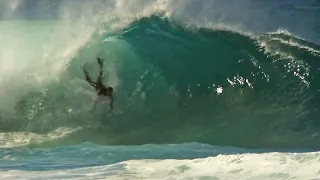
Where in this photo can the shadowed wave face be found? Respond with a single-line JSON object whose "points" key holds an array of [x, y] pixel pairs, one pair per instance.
{"points": [[175, 85]]}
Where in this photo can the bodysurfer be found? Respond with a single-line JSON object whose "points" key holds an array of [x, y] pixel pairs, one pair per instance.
{"points": [[100, 88]]}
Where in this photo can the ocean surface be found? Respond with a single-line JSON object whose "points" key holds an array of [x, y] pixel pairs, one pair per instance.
{"points": [[203, 89]]}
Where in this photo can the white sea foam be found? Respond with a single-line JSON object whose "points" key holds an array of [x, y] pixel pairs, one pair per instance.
{"points": [[16, 139], [300, 166]]}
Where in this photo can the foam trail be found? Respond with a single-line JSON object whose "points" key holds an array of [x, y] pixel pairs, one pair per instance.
{"points": [[39, 63], [33, 56]]}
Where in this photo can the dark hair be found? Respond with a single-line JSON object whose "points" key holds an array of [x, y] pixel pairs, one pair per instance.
{"points": [[110, 89]]}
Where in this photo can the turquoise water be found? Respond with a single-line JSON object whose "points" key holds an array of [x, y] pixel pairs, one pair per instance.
{"points": [[198, 93], [183, 161]]}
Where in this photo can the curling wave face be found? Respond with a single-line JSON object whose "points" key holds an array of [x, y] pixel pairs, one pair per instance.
{"points": [[175, 84]]}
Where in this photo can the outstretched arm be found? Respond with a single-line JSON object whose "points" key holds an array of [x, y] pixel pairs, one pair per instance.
{"points": [[88, 77], [101, 71]]}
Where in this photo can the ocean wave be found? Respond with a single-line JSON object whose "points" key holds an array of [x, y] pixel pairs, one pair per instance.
{"points": [[178, 84]]}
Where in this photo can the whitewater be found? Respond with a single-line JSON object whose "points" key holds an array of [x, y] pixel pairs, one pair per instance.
{"points": [[204, 89]]}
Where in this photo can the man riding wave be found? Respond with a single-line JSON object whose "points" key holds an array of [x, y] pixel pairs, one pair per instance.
{"points": [[102, 90]]}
